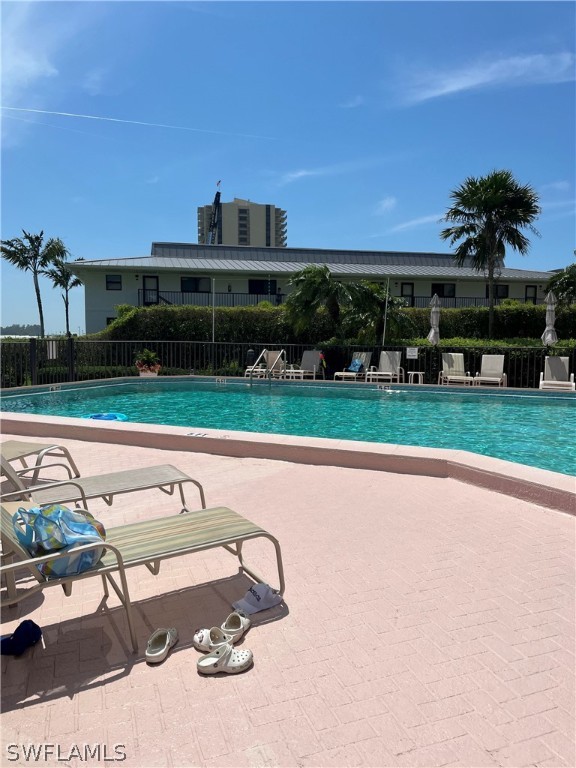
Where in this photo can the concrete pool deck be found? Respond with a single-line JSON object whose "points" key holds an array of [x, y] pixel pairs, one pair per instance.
{"points": [[428, 616]]}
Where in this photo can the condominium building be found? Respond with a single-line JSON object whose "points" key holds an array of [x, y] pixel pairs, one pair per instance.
{"points": [[243, 222]]}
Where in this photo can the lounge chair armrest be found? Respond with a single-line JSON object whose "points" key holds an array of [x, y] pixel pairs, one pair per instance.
{"points": [[39, 467], [45, 487], [57, 554]]}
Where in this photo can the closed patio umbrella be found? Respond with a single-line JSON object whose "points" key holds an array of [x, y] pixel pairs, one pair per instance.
{"points": [[434, 335], [549, 336]]}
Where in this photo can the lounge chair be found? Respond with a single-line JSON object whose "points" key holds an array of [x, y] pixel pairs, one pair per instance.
{"points": [[17, 450], [453, 371], [310, 366], [364, 362], [389, 368], [491, 371], [270, 362], [556, 374], [165, 477], [142, 543]]}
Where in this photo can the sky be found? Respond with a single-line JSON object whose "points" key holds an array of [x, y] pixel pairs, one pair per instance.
{"points": [[358, 118]]}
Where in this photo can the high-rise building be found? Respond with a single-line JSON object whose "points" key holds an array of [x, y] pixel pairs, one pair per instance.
{"points": [[243, 222]]}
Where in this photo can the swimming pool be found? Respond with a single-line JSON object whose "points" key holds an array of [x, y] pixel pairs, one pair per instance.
{"points": [[533, 428]]}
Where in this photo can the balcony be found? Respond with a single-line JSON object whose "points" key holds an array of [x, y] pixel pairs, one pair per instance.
{"points": [[148, 298]]}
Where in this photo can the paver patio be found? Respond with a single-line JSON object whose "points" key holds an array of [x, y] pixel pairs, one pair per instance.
{"points": [[427, 622]]}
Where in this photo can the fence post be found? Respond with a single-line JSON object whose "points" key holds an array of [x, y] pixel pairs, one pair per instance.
{"points": [[33, 361], [70, 356]]}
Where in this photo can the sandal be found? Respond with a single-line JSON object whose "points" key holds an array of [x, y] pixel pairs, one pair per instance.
{"points": [[236, 625], [159, 644], [210, 639], [225, 659]]}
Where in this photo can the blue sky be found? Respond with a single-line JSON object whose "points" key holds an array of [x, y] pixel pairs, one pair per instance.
{"points": [[357, 118]]}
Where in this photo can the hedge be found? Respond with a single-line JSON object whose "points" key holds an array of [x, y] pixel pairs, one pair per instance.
{"points": [[252, 324]]}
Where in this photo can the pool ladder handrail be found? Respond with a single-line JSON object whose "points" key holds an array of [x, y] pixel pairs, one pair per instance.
{"points": [[269, 369]]}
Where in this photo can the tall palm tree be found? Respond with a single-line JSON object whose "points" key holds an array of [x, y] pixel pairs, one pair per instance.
{"points": [[314, 288], [31, 254], [63, 278], [488, 213]]}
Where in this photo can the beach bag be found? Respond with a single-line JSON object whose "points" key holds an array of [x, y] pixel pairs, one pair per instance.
{"points": [[53, 527], [356, 365]]}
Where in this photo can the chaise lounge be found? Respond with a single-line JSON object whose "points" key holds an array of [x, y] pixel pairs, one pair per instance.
{"points": [[164, 477], [357, 368], [145, 543], [491, 371], [18, 450], [270, 362], [556, 374], [453, 371], [389, 368], [309, 368]]}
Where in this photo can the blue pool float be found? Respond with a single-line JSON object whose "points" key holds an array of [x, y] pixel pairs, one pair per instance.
{"points": [[108, 416]]}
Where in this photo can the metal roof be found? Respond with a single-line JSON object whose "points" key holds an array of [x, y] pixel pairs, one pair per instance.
{"points": [[297, 255], [250, 266]]}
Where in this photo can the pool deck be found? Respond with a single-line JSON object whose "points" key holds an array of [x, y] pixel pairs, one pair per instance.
{"points": [[428, 619]]}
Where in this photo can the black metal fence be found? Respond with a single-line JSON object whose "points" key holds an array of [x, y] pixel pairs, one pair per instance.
{"points": [[54, 361]]}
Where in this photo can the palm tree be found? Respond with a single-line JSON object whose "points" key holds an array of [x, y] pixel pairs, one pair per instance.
{"points": [[30, 254], [370, 303], [63, 278], [314, 289], [563, 285], [489, 213]]}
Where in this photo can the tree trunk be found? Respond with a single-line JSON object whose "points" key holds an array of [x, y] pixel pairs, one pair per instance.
{"points": [[66, 306], [39, 302]]}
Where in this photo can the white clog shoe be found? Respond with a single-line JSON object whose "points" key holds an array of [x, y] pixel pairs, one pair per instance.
{"points": [[159, 644]]}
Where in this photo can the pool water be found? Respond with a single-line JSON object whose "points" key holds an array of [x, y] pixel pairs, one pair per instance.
{"points": [[534, 429]]}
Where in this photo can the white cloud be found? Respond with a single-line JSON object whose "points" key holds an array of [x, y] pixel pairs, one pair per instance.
{"points": [[556, 186], [385, 205], [536, 69], [355, 101], [331, 170], [414, 223], [153, 180], [23, 64]]}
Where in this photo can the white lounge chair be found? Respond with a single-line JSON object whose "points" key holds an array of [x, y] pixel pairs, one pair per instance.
{"points": [[491, 371], [309, 368], [556, 374], [453, 371], [389, 368], [364, 362], [270, 362]]}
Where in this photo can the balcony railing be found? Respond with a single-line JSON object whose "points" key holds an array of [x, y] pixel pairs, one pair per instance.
{"points": [[460, 301], [148, 298]]}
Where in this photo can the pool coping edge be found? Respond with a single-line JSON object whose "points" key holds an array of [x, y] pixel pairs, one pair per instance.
{"points": [[539, 486]]}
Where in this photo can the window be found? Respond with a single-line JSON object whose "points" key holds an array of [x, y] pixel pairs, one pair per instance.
{"points": [[195, 285], [113, 282], [530, 294], [500, 291], [262, 287], [444, 290], [407, 293]]}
